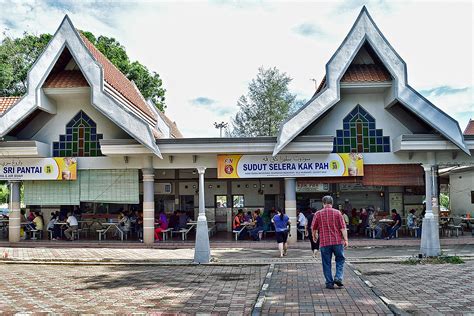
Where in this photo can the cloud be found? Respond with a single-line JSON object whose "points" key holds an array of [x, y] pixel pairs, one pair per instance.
{"points": [[220, 45], [443, 90], [203, 101], [309, 30]]}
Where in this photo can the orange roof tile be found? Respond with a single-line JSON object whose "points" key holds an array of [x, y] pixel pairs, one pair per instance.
{"points": [[174, 131], [469, 128], [66, 79], [7, 102], [366, 73], [118, 81], [362, 73]]}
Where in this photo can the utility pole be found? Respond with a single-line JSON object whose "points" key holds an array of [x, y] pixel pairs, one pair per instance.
{"points": [[315, 83], [220, 126]]}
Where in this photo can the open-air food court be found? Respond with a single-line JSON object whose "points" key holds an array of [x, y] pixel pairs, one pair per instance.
{"points": [[93, 161]]}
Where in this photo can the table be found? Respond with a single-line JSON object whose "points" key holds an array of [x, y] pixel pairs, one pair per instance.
{"points": [[109, 225]]}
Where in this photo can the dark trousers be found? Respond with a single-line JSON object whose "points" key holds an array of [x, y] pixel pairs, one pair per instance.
{"points": [[326, 258]]}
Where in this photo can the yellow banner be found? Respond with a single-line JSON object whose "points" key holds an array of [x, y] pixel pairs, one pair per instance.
{"points": [[291, 165], [64, 168]]}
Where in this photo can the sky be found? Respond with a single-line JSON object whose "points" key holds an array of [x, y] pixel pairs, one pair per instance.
{"points": [[207, 52]]}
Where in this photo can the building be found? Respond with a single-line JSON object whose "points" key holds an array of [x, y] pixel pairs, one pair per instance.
{"points": [[365, 136]]}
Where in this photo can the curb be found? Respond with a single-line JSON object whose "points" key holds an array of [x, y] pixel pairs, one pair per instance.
{"points": [[257, 308], [391, 306]]}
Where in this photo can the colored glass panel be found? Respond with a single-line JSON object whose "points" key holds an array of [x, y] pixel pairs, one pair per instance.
{"points": [[359, 134], [81, 138]]}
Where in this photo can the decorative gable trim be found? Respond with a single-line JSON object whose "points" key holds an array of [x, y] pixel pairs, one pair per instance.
{"points": [[365, 30], [67, 36]]}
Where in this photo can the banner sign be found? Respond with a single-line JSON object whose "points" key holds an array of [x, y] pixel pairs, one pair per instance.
{"points": [[38, 169], [291, 165]]}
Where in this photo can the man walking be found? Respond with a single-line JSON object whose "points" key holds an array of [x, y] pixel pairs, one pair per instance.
{"points": [[329, 226]]}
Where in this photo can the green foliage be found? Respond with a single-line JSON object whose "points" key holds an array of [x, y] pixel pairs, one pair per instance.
{"points": [[434, 260], [4, 193], [17, 55], [444, 200], [267, 103]]}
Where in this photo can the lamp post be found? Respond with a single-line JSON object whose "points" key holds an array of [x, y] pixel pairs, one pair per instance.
{"points": [[220, 126]]}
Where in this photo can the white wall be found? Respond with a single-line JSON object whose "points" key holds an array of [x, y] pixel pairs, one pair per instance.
{"points": [[460, 186], [67, 108], [372, 103]]}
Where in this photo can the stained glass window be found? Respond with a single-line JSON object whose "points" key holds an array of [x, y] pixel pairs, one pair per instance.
{"points": [[81, 138], [359, 134]]}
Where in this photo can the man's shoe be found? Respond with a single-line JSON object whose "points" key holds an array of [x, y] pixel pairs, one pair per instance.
{"points": [[330, 286], [338, 283]]}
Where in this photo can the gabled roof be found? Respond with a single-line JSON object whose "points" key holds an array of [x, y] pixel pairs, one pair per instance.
{"points": [[118, 81], [7, 102], [365, 31], [469, 128], [116, 109]]}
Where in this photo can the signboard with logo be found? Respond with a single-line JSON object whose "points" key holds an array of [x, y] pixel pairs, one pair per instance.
{"points": [[311, 186], [291, 165], [359, 187], [38, 169]]}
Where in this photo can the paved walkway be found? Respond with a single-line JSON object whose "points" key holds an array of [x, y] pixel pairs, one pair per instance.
{"points": [[225, 290], [300, 289], [268, 243], [227, 255], [434, 289]]}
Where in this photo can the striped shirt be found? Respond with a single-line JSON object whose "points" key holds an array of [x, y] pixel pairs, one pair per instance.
{"points": [[329, 223]]}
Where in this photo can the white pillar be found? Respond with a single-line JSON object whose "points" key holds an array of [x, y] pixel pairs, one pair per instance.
{"points": [[202, 252], [148, 202], [14, 216], [290, 207], [430, 245]]}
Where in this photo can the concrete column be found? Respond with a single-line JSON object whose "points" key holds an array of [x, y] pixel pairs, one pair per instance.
{"points": [[149, 202], [202, 252], [290, 207], [430, 245], [14, 216]]}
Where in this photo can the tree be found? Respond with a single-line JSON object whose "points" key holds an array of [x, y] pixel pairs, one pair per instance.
{"points": [[17, 55], [267, 103]]}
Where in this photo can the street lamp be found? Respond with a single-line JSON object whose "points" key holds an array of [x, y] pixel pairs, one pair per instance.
{"points": [[220, 126]]}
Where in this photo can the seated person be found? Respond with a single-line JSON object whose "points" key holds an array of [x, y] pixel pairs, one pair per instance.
{"points": [[258, 226], [174, 221], [38, 221], [237, 223], [346, 218], [354, 221], [397, 222], [73, 224], [124, 222], [52, 227], [372, 223], [183, 220], [364, 218], [411, 219], [248, 217], [162, 224]]}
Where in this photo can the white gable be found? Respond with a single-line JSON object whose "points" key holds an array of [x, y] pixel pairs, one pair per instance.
{"points": [[365, 30]]}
